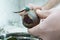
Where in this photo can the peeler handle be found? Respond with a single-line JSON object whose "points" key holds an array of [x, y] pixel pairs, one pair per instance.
{"points": [[25, 9]]}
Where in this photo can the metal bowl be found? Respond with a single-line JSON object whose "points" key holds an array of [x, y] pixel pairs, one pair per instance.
{"points": [[18, 36]]}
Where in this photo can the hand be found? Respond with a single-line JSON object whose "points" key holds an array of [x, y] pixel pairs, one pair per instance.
{"points": [[34, 7], [49, 29], [41, 13]]}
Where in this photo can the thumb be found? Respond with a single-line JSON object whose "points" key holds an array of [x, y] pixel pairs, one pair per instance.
{"points": [[42, 13], [36, 31]]}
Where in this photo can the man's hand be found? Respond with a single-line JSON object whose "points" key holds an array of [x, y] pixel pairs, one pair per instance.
{"points": [[49, 29], [38, 10], [34, 7], [42, 13]]}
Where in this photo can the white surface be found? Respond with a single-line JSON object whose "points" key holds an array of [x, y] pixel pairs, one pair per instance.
{"points": [[13, 29]]}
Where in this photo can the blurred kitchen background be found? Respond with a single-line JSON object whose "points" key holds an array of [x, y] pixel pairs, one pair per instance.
{"points": [[11, 22]]}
